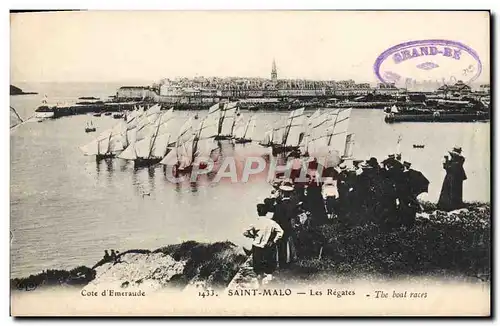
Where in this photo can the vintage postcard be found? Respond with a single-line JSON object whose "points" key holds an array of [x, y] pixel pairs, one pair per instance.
{"points": [[250, 163]]}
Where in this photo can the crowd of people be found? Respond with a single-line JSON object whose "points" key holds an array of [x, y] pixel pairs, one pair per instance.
{"points": [[384, 193]]}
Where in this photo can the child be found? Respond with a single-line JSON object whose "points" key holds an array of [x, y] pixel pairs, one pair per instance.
{"points": [[265, 232]]}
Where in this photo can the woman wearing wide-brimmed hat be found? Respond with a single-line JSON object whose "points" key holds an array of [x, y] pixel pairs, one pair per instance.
{"points": [[452, 191]]}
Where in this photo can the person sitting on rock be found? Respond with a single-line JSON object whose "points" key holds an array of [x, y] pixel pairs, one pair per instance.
{"points": [[113, 255], [106, 255]]}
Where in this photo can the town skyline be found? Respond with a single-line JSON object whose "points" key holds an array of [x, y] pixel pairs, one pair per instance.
{"points": [[148, 46]]}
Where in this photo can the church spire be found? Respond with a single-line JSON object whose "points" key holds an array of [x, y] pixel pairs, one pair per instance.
{"points": [[274, 72]]}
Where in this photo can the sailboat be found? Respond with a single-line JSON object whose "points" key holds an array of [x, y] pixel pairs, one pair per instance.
{"points": [[107, 145], [90, 127], [267, 140], [227, 120], [244, 132], [289, 136], [150, 139], [193, 145], [329, 142], [181, 156]]}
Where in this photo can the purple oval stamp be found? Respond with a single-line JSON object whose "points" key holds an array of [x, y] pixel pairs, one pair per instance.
{"points": [[432, 62]]}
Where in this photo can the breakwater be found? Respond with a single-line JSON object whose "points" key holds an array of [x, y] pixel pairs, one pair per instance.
{"points": [[438, 117], [103, 107]]}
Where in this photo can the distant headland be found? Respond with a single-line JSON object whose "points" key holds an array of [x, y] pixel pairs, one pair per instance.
{"points": [[17, 91]]}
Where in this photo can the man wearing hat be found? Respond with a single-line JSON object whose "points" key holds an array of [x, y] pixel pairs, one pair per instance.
{"points": [[372, 162], [414, 184], [451, 196], [285, 211], [389, 161], [393, 161]]}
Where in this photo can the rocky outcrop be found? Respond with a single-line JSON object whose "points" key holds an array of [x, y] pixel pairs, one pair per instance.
{"points": [[17, 91], [190, 266], [245, 278], [134, 270]]}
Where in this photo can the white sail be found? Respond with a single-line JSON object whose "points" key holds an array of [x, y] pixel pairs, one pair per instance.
{"points": [[239, 129], [131, 116], [154, 144], [337, 138], [215, 109], [116, 144], [171, 158], [308, 130], [160, 145], [90, 148], [96, 146], [228, 119], [208, 127], [103, 145], [145, 125], [180, 150], [318, 132], [294, 130], [349, 146], [162, 123], [155, 109], [327, 156], [186, 132], [137, 130], [185, 153], [205, 147], [278, 132], [250, 128]]}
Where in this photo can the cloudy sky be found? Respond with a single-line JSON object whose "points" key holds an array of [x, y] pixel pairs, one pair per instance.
{"points": [[149, 45]]}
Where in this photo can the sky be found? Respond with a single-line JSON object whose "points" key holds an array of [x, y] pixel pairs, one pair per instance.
{"points": [[115, 46]]}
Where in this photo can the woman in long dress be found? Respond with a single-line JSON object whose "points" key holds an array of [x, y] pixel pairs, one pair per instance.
{"points": [[451, 193]]}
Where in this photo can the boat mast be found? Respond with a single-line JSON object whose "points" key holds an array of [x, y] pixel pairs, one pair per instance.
{"points": [[246, 128], [222, 115], [152, 143], [109, 142], [334, 124]]}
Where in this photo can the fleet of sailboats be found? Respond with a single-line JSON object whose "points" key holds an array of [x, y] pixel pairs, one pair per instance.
{"points": [[148, 142], [145, 136]]}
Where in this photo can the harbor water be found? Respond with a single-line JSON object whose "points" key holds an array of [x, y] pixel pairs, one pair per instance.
{"points": [[66, 208]]}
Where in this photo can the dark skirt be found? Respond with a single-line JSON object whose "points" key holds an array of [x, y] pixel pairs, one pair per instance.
{"points": [[451, 193]]}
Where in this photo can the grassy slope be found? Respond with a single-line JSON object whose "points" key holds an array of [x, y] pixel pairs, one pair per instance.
{"points": [[440, 244]]}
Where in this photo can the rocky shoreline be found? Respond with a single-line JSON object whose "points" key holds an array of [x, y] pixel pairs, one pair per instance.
{"points": [[17, 91], [442, 244]]}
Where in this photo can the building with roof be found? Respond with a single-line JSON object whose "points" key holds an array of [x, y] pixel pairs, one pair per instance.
{"points": [[132, 92], [460, 88]]}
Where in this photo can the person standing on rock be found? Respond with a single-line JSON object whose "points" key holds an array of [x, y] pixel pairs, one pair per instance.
{"points": [[265, 233], [452, 189]]}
